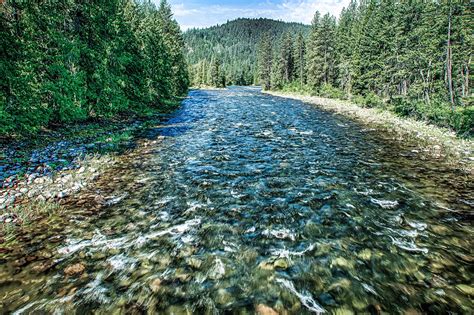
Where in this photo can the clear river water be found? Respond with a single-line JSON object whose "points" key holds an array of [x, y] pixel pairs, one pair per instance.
{"points": [[250, 202]]}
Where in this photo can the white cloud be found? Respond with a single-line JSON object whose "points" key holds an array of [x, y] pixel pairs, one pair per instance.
{"points": [[189, 15], [303, 10]]}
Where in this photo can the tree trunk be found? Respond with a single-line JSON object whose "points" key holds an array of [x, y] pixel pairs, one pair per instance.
{"points": [[449, 61]]}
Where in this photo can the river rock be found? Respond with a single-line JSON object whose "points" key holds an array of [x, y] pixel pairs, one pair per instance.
{"points": [[265, 265], [466, 289], [223, 297], [342, 263], [155, 285], [42, 266], [39, 180], [365, 254], [281, 263], [75, 269], [177, 310], [194, 263], [182, 275], [263, 309]]}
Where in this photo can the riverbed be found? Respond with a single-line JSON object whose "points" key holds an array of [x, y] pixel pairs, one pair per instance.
{"points": [[254, 202]]}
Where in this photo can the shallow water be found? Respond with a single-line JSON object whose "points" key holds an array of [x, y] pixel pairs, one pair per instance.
{"points": [[251, 199]]}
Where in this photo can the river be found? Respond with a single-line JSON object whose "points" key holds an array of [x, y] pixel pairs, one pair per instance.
{"points": [[249, 202]]}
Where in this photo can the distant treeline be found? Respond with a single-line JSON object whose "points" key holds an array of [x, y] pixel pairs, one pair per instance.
{"points": [[66, 61], [412, 57], [227, 54]]}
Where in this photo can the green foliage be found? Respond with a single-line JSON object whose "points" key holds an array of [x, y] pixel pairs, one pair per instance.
{"points": [[437, 112], [236, 44], [327, 90], [69, 61], [372, 100], [297, 87]]}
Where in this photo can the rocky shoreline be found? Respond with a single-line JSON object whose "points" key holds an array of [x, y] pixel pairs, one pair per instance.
{"points": [[37, 178], [433, 141]]}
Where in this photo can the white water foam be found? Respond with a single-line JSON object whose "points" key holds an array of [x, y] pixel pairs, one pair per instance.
{"points": [[305, 299]]}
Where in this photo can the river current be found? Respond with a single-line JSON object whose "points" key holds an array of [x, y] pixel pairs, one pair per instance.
{"points": [[253, 202]]}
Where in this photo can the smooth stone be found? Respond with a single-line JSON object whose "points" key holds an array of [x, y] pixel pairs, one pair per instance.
{"points": [[74, 269], [343, 283], [194, 263], [155, 285], [466, 289], [223, 297], [265, 265], [281, 263], [182, 275], [263, 309], [365, 254], [342, 262]]}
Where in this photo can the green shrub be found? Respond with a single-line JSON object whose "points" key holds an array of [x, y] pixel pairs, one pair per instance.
{"points": [[358, 99], [296, 87], [462, 121], [372, 100], [437, 112], [327, 90]]}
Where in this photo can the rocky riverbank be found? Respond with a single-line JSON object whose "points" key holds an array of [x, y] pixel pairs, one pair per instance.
{"points": [[435, 142], [37, 175]]}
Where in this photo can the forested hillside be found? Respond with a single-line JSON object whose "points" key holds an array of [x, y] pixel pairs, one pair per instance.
{"points": [[411, 57], [227, 54], [72, 60]]}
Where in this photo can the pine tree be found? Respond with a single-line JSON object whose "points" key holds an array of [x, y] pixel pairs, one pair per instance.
{"points": [[175, 44], [313, 58], [286, 60], [300, 61], [265, 61]]}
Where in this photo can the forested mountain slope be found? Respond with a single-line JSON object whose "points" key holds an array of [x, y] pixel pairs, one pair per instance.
{"points": [[229, 51]]}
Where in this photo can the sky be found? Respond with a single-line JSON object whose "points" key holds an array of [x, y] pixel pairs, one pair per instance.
{"points": [[204, 13]]}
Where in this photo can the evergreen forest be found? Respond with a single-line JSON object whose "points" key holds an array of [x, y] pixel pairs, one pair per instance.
{"points": [[69, 61]]}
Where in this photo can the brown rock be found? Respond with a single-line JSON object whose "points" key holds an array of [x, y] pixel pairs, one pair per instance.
{"points": [[155, 285], [263, 309], [74, 269]]}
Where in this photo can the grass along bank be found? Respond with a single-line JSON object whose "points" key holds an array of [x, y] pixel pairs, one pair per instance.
{"points": [[438, 142]]}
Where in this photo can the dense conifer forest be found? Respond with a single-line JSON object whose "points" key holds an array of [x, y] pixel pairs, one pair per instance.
{"points": [[227, 54], [413, 58], [74, 60]]}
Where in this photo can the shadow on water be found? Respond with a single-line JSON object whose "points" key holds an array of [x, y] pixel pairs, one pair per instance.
{"points": [[253, 200]]}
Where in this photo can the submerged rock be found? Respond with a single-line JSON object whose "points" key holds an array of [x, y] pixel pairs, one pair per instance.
{"points": [[342, 263], [155, 285], [365, 254], [263, 309], [223, 297], [194, 263], [75, 269], [466, 289], [265, 265], [281, 263]]}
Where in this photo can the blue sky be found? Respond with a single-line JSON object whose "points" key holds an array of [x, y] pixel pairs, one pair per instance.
{"points": [[203, 13]]}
